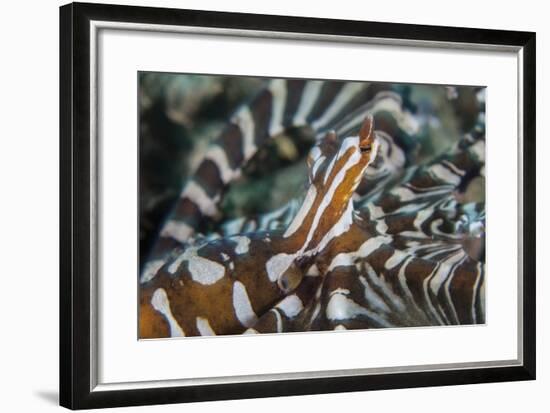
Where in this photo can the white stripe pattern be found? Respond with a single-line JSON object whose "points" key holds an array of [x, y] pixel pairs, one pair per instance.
{"points": [[307, 102], [159, 301], [242, 306], [278, 93], [348, 92], [243, 119]]}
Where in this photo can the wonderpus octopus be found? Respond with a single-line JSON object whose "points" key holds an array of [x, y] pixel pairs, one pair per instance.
{"points": [[378, 240]]}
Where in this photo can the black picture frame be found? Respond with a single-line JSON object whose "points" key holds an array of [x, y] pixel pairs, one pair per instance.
{"points": [[75, 221]]}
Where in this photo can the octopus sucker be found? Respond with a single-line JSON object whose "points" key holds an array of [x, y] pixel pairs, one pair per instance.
{"points": [[377, 239]]}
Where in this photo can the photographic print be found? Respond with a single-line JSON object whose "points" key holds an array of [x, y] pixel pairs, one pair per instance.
{"points": [[293, 205], [294, 208]]}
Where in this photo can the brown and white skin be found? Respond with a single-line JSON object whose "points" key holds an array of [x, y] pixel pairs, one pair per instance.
{"points": [[392, 261], [223, 286]]}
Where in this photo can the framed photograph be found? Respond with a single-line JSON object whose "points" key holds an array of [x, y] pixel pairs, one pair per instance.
{"points": [[258, 205]]}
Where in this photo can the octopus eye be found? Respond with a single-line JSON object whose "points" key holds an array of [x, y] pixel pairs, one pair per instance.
{"points": [[283, 284], [290, 279], [365, 149]]}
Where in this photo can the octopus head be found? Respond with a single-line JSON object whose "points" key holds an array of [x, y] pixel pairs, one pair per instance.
{"points": [[336, 167], [335, 170]]}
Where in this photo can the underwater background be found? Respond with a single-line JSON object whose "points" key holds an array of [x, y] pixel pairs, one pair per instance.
{"points": [[181, 114]]}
